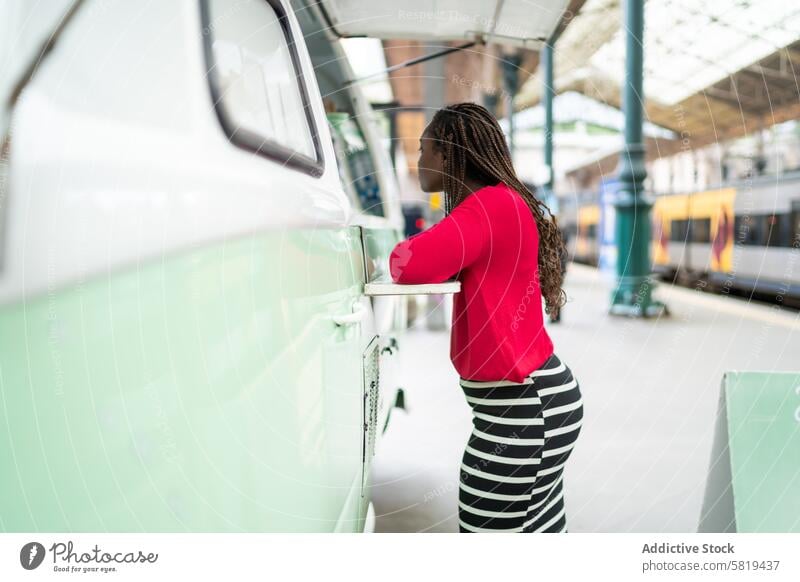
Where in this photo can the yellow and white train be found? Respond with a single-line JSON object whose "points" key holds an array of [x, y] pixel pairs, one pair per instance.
{"points": [[742, 236]]}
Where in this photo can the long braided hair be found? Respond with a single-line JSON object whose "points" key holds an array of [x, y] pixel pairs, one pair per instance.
{"points": [[473, 145]]}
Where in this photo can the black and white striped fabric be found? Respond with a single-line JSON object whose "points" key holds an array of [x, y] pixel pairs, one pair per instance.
{"points": [[513, 466]]}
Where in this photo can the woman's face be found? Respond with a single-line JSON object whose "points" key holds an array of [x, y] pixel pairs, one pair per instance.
{"points": [[430, 165]]}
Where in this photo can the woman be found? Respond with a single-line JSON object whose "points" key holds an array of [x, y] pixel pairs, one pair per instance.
{"points": [[496, 239]]}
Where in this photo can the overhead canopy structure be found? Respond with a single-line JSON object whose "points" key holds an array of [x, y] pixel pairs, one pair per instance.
{"points": [[712, 70], [514, 22], [25, 30], [446, 51]]}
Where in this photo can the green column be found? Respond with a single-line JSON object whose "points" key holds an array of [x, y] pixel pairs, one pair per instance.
{"points": [[632, 294], [511, 64], [490, 102], [548, 93]]}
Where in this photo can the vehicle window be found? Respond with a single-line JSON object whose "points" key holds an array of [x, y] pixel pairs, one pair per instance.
{"points": [[701, 230], [678, 230], [777, 234], [572, 230], [384, 125], [356, 165], [750, 229], [257, 82], [741, 228], [794, 223]]}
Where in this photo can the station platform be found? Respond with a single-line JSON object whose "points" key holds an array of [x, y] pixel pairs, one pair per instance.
{"points": [[650, 391]]}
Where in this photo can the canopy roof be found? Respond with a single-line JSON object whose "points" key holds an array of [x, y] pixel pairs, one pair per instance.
{"points": [[514, 22], [712, 70]]}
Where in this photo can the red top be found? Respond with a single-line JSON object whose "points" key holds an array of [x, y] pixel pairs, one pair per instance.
{"points": [[491, 243]]}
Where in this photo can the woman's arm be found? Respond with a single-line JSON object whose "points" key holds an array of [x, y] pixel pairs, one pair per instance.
{"points": [[436, 254]]}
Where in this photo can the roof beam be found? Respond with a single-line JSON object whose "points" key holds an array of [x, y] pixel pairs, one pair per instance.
{"points": [[767, 72], [736, 98]]}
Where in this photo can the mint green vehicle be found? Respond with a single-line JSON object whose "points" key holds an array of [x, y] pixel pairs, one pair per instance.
{"points": [[185, 339]]}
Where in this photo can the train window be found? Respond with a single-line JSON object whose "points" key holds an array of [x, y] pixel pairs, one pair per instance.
{"points": [[257, 84], [777, 230], [591, 230], [750, 229], [743, 229], [678, 230], [794, 224], [701, 230], [571, 230]]}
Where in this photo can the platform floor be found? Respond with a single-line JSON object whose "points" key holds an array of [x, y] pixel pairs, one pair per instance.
{"points": [[650, 390]]}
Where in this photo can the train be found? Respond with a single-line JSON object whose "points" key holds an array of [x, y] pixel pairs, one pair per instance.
{"points": [[740, 237]]}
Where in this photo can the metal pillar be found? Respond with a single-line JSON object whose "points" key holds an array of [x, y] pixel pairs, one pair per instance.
{"points": [[632, 294], [548, 93], [511, 65], [490, 102]]}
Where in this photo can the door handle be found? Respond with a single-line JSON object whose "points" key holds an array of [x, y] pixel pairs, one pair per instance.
{"points": [[358, 313]]}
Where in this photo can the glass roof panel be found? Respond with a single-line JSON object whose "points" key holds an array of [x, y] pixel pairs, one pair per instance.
{"points": [[691, 45]]}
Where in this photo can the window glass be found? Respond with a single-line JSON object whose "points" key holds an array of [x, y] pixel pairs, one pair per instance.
{"points": [[741, 228], [701, 230], [794, 223], [749, 229], [571, 230], [258, 87], [356, 165], [678, 230], [777, 230], [383, 124]]}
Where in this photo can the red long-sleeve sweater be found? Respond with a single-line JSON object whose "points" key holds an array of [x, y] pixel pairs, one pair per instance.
{"points": [[491, 243]]}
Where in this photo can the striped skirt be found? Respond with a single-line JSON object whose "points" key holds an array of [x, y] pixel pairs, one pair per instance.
{"points": [[512, 469]]}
